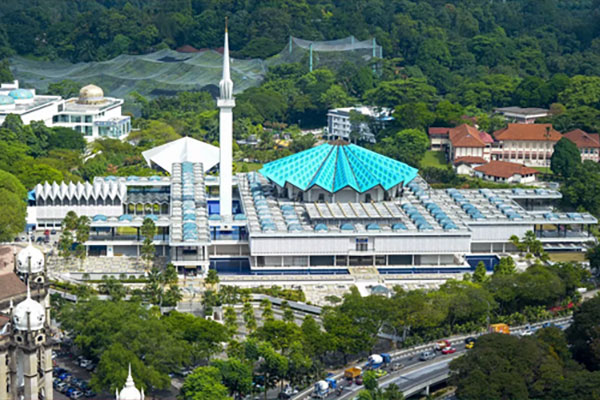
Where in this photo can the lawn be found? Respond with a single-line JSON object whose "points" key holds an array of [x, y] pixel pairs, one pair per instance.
{"points": [[435, 159], [567, 256], [544, 170], [249, 166]]}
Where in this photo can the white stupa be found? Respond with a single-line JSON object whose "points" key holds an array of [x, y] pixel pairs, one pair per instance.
{"points": [[30, 260], [129, 391]]}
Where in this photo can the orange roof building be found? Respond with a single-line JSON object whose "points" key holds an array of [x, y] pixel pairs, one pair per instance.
{"points": [[528, 132], [529, 144], [587, 143], [503, 171], [467, 141]]}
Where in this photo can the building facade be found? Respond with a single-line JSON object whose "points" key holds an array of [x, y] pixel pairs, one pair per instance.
{"points": [[587, 143], [522, 115], [340, 125], [529, 144], [92, 114]]}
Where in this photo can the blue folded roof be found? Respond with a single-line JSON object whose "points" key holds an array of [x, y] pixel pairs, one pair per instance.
{"points": [[337, 166]]}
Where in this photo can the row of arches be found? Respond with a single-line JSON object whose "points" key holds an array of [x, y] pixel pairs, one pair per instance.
{"points": [[78, 202]]}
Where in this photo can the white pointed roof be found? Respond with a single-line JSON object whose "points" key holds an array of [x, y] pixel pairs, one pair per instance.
{"points": [[129, 391], [226, 84], [31, 310], [30, 260], [185, 149]]}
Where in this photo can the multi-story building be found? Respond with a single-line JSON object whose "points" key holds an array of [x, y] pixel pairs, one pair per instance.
{"points": [[340, 126], [468, 141], [529, 144], [522, 115], [587, 143], [321, 211], [27, 104], [92, 114]]}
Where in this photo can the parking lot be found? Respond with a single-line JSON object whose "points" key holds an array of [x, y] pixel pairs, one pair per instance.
{"points": [[70, 377]]}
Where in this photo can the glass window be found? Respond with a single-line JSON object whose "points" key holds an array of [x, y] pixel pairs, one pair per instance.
{"points": [[88, 118], [75, 118], [362, 244]]}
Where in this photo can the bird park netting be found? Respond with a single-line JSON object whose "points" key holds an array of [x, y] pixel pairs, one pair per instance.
{"points": [[332, 54], [167, 72]]}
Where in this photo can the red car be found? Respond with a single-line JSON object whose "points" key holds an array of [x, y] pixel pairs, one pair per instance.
{"points": [[448, 350]]}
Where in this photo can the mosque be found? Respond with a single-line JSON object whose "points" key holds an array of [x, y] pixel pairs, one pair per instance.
{"points": [[325, 210]]}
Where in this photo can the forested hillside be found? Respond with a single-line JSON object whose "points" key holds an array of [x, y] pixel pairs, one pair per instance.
{"points": [[442, 38]]}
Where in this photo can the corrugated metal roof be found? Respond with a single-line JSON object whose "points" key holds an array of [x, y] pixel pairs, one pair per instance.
{"points": [[336, 166]]}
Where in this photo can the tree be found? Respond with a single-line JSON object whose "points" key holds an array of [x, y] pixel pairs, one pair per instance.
{"points": [[288, 313], [593, 256], [13, 207], [584, 334], [204, 384], [236, 375], [393, 392], [480, 274], [408, 146], [249, 317], [267, 309], [272, 366], [506, 266], [65, 89], [231, 320], [212, 277], [148, 231], [566, 158], [113, 288]]}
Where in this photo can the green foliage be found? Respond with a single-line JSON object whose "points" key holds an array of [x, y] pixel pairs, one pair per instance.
{"points": [[13, 208], [480, 274], [236, 375], [204, 384], [504, 366], [408, 146], [148, 231], [566, 158], [584, 334]]}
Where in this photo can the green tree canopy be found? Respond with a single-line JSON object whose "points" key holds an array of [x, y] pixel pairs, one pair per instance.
{"points": [[566, 158]]}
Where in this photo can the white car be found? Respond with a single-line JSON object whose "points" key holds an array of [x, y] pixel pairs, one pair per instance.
{"points": [[528, 332]]}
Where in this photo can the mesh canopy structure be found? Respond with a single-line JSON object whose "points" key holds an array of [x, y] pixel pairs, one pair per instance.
{"points": [[336, 166], [331, 53]]}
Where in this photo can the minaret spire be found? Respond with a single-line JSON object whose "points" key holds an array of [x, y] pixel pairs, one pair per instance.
{"points": [[226, 85], [225, 102]]}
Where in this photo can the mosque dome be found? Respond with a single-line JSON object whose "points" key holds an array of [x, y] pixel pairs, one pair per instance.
{"points": [[130, 392], [6, 100], [31, 308], [91, 94], [30, 260], [21, 94]]}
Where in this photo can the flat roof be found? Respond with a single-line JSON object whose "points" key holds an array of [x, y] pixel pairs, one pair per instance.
{"points": [[37, 103]]}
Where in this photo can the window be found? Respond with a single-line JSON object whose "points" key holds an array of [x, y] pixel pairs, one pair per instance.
{"points": [[75, 118], [88, 118], [362, 244]]}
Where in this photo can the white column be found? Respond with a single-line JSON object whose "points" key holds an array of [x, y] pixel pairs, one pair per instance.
{"points": [[226, 157]]}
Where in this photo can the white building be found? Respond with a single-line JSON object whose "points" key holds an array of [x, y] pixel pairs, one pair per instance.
{"points": [[91, 113], [522, 115], [529, 144], [340, 127], [27, 104], [94, 115]]}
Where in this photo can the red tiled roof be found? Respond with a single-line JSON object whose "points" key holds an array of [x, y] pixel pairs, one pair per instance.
{"points": [[583, 139], [11, 286], [537, 132], [438, 130], [504, 169], [186, 48], [465, 136], [469, 160], [486, 137]]}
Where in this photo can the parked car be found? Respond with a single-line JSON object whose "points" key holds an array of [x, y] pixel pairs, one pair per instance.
{"points": [[61, 386], [76, 395], [84, 363], [427, 355], [449, 350], [90, 393]]}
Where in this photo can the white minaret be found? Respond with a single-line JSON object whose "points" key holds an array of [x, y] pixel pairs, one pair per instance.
{"points": [[225, 102]]}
